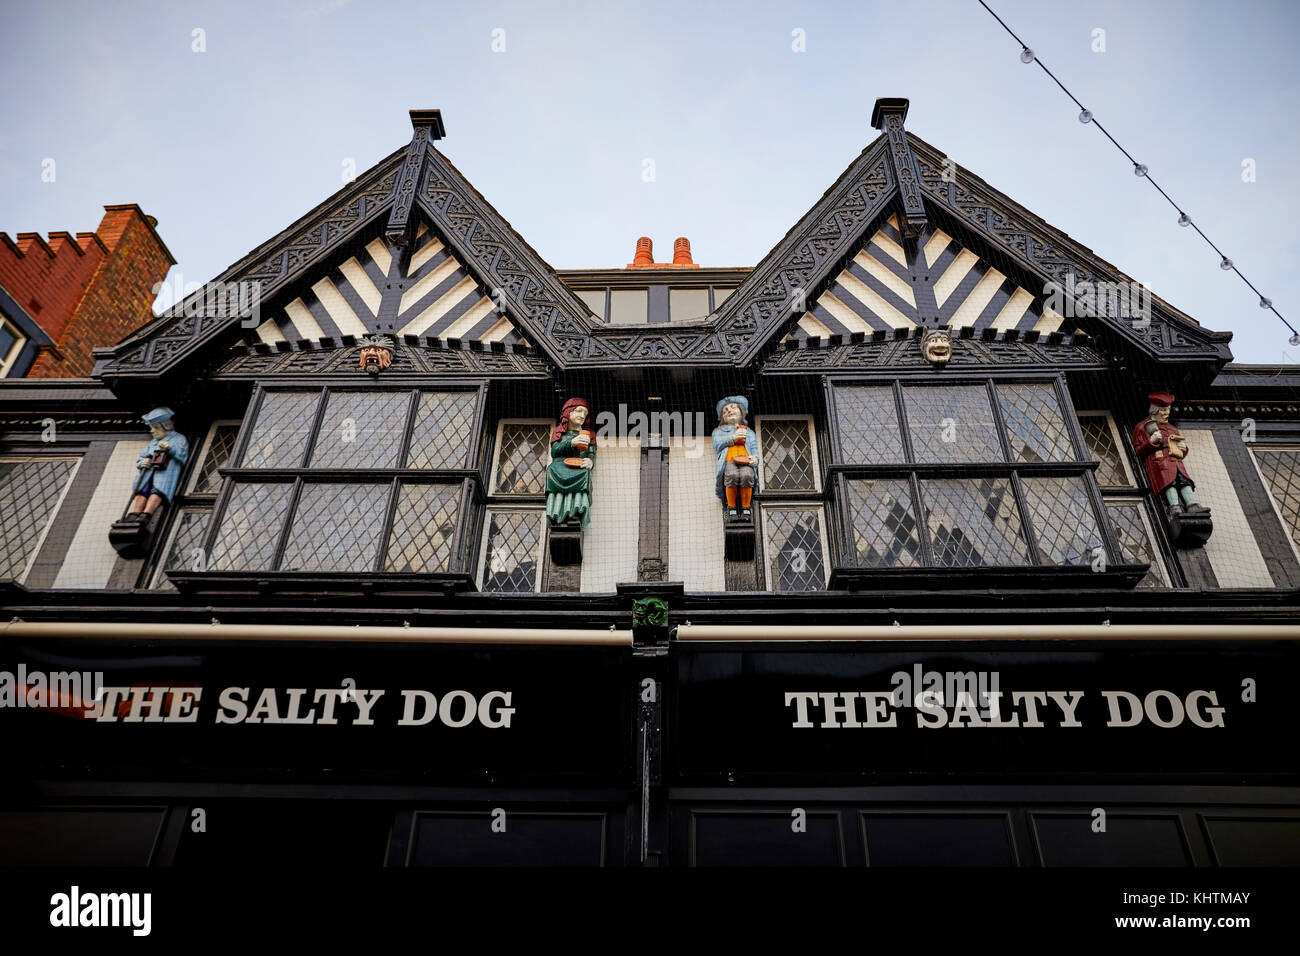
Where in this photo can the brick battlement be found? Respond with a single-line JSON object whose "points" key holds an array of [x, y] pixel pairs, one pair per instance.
{"points": [[86, 291]]}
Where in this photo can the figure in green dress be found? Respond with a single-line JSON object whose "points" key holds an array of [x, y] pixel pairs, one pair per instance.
{"points": [[573, 453]]}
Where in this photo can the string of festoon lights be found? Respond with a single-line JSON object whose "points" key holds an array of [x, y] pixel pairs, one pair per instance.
{"points": [[1027, 56]]}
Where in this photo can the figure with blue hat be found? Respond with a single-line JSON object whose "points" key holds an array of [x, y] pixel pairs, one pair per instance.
{"points": [[159, 465], [737, 450]]}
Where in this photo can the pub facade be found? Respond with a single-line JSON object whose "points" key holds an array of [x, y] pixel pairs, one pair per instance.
{"points": [[931, 539]]}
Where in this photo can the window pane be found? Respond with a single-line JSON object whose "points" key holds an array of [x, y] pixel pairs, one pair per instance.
{"points": [[1101, 446], [283, 426], [794, 549], [250, 527], [685, 305], [523, 458], [216, 456], [510, 561], [595, 300], [1063, 521], [628, 306], [1035, 427], [720, 296], [786, 455], [424, 527], [441, 435], [29, 490], [1281, 469], [336, 527], [868, 425], [1135, 545], [973, 523], [183, 552], [361, 430], [885, 532], [951, 423]]}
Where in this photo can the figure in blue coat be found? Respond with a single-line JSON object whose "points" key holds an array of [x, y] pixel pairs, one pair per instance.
{"points": [[160, 465], [737, 450]]}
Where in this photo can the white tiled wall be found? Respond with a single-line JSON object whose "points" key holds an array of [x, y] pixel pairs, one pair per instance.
{"points": [[695, 538], [1232, 549], [609, 544], [90, 557]]}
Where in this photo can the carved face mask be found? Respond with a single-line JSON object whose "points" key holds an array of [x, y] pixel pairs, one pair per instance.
{"points": [[936, 346]]}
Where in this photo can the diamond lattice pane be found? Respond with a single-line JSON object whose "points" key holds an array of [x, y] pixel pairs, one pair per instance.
{"points": [[1035, 427], [951, 423], [1281, 469], [1061, 513], [282, 430], [442, 433], [184, 551], [29, 490], [786, 455], [217, 454], [336, 527], [973, 522], [794, 549], [868, 425], [522, 461], [361, 430], [1135, 546], [424, 528], [1100, 440], [885, 531], [250, 527], [511, 561]]}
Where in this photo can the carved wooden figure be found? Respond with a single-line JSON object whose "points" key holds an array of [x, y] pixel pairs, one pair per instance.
{"points": [[159, 465], [737, 450], [568, 481], [1162, 450]]}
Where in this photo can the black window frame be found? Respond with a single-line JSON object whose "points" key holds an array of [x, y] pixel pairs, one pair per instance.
{"points": [[466, 475], [837, 471]]}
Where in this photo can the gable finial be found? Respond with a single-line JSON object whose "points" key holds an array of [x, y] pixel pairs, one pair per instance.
{"points": [[887, 116], [428, 127]]}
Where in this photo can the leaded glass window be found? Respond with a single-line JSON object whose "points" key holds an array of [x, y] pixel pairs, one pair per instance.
{"points": [[512, 553], [951, 423], [185, 549], [1035, 426], [868, 425], [1062, 517], [883, 523], [443, 432], [1128, 520], [217, 452], [30, 491], [361, 430], [793, 546], [523, 454], [250, 527], [283, 427], [786, 454], [1281, 470], [424, 528], [336, 527], [1099, 436], [973, 522]]}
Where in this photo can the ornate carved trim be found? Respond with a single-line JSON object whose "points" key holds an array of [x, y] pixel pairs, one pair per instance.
{"points": [[888, 116], [428, 127], [1007, 351], [411, 357]]}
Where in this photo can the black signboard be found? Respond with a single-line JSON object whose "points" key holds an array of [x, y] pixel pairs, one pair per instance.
{"points": [[844, 714], [446, 714]]}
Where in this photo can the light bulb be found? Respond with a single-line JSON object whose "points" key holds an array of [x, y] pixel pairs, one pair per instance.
{"points": [[1265, 303], [1085, 116], [1026, 55], [1295, 339], [1184, 219], [1226, 264], [1139, 169]]}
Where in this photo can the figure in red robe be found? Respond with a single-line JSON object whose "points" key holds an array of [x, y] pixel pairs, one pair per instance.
{"points": [[1162, 449]]}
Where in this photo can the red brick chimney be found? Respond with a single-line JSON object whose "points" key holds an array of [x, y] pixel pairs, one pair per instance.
{"points": [[644, 257], [88, 292]]}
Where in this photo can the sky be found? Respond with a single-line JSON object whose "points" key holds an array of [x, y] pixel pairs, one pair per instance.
{"points": [[229, 120]]}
